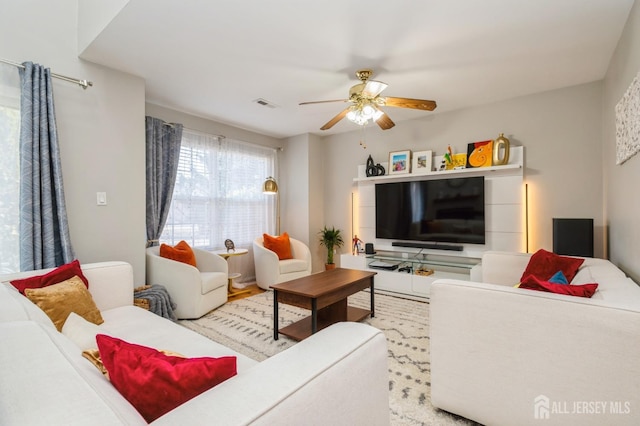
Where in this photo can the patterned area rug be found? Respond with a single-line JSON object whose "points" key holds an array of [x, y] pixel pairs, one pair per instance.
{"points": [[246, 326]]}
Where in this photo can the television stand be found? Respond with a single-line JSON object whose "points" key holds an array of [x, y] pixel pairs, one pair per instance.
{"points": [[412, 273], [433, 246]]}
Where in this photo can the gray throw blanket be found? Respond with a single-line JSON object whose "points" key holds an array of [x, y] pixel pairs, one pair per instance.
{"points": [[160, 302]]}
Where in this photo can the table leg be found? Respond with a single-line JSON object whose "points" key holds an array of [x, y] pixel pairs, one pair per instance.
{"points": [[314, 316], [275, 315], [373, 312]]}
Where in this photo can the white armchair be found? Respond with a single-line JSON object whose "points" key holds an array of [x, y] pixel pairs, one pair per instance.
{"points": [[195, 290], [271, 270]]}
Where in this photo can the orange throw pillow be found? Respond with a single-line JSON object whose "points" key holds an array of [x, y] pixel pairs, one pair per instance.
{"points": [[279, 245], [181, 252]]}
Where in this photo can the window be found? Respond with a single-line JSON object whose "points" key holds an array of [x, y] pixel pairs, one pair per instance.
{"points": [[9, 168], [218, 192]]}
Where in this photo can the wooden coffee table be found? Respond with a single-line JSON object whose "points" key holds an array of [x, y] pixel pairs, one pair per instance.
{"points": [[325, 294]]}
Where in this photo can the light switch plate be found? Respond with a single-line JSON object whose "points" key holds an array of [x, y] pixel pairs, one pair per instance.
{"points": [[101, 198]]}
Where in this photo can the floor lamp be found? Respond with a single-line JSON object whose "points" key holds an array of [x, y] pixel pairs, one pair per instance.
{"points": [[271, 187]]}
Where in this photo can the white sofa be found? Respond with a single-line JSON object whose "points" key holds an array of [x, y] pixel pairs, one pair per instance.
{"points": [[504, 356], [270, 270], [195, 290], [337, 376]]}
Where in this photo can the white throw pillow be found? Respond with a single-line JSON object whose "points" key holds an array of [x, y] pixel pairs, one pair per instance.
{"points": [[81, 332]]}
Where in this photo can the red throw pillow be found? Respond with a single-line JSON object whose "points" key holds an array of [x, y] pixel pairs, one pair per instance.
{"points": [[155, 383], [61, 273], [279, 245], [181, 252], [582, 290], [543, 265]]}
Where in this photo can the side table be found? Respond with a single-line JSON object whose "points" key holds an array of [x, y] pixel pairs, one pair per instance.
{"points": [[226, 255]]}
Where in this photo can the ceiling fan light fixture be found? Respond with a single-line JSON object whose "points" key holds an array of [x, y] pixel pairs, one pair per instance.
{"points": [[368, 111], [362, 112], [366, 102]]}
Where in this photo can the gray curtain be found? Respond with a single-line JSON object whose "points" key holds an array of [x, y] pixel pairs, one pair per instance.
{"points": [[44, 230], [163, 154]]}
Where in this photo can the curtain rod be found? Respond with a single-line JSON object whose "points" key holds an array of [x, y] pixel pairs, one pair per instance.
{"points": [[82, 83], [204, 133]]}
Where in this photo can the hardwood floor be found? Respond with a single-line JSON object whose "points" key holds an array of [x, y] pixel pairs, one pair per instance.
{"points": [[249, 286]]}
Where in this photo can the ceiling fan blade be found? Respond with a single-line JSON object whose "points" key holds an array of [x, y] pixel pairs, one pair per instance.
{"points": [[373, 88], [410, 103], [335, 119], [385, 122], [323, 102]]}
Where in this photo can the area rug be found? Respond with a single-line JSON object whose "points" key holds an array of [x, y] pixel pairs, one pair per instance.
{"points": [[246, 325]]}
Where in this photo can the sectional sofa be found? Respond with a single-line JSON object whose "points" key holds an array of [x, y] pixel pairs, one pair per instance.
{"points": [[504, 356], [338, 376]]}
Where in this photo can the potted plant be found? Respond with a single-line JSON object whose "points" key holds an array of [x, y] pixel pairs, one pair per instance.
{"points": [[331, 239]]}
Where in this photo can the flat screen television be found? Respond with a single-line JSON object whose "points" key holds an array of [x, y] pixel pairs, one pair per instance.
{"points": [[440, 210]]}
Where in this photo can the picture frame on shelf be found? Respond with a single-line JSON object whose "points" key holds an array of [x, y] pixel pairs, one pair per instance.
{"points": [[399, 162], [480, 154], [421, 162], [459, 161]]}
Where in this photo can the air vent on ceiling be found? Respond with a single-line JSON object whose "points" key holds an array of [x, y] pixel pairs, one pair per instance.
{"points": [[265, 103]]}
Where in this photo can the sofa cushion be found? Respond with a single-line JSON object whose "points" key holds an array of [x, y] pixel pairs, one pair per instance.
{"points": [[15, 307], [46, 381], [544, 264], [279, 245], [157, 332], [56, 276], [181, 252], [59, 300], [168, 381], [582, 290]]}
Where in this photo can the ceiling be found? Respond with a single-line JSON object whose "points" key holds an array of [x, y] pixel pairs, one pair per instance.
{"points": [[213, 59]]}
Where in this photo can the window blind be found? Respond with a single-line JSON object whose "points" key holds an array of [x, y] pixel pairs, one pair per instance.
{"points": [[218, 193]]}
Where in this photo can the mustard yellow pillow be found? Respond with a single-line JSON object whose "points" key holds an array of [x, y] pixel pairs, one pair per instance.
{"points": [[59, 300]]}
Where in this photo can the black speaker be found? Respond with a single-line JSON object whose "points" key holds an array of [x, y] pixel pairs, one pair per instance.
{"points": [[573, 237], [368, 248]]}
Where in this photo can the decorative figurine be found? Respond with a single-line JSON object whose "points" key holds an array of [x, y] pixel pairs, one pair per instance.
{"points": [[374, 169], [229, 245], [371, 168], [357, 245]]}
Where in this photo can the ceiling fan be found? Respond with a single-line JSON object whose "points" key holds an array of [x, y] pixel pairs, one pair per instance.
{"points": [[366, 102]]}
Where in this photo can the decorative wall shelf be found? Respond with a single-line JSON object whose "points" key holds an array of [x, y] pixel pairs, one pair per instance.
{"points": [[514, 168]]}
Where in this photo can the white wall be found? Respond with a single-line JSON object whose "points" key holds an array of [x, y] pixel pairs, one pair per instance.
{"points": [[302, 193], [209, 126], [101, 132], [294, 188], [317, 202], [93, 17], [561, 133], [621, 181]]}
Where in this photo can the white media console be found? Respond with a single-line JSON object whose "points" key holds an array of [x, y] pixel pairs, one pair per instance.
{"points": [[409, 274]]}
